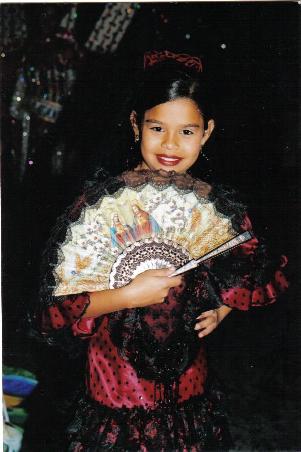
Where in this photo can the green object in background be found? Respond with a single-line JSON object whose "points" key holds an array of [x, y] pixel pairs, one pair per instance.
{"points": [[17, 415], [7, 370]]}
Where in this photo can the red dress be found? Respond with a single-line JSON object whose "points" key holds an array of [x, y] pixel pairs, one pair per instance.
{"points": [[147, 383], [122, 410]]}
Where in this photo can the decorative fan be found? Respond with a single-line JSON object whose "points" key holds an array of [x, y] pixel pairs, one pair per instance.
{"points": [[154, 220]]}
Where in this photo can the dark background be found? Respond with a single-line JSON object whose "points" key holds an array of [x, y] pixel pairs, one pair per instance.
{"points": [[250, 53]]}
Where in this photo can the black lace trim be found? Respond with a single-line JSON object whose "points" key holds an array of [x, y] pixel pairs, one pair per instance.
{"points": [[165, 361], [226, 202], [239, 270]]}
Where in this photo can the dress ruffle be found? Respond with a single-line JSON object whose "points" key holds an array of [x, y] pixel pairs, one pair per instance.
{"points": [[243, 298], [66, 313], [199, 424]]}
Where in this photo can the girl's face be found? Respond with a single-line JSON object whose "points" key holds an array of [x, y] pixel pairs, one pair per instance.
{"points": [[172, 135]]}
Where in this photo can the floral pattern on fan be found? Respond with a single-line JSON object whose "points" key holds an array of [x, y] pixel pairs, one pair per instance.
{"points": [[163, 223]]}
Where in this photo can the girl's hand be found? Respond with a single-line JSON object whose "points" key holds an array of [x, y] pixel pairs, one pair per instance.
{"points": [[209, 320], [148, 288], [151, 287]]}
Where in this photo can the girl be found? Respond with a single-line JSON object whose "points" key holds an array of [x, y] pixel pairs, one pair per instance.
{"points": [[147, 383]]}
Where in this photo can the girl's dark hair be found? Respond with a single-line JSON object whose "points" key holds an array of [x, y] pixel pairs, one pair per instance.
{"points": [[170, 80], [163, 82]]}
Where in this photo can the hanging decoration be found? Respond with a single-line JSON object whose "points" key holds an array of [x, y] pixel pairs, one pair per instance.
{"points": [[111, 27], [67, 25], [13, 27], [43, 86], [40, 92]]}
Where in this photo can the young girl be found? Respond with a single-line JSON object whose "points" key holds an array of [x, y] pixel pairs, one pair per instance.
{"points": [[147, 383]]}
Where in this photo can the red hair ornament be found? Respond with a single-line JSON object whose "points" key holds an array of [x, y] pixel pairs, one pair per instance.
{"points": [[154, 57]]}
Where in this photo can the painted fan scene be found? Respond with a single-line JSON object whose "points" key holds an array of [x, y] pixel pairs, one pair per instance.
{"points": [[150, 227], [171, 229]]}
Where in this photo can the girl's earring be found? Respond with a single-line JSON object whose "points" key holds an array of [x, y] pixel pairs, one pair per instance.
{"points": [[136, 138]]}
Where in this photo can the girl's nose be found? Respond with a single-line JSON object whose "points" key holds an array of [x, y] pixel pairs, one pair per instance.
{"points": [[170, 141]]}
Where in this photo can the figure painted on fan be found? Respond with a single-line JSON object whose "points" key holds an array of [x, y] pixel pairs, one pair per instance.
{"points": [[196, 217], [121, 234], [148, 386], [145, 225]]}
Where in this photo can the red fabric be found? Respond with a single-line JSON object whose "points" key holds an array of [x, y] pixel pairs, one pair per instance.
{"points": [[84, 327], [111, 380], [65, 314], [248, 248], [243, 297], [114, 382]]}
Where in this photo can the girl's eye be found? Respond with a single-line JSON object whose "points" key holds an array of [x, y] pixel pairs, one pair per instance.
{"points": [[157, 128], [187, 132]]}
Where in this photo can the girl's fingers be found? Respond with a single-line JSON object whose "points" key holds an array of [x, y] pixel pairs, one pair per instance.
{"points": [[208, 321], [204, 323], [205, 314], [164, 273], [161, 271], [206, 331], [171, 270], [174, 281]]}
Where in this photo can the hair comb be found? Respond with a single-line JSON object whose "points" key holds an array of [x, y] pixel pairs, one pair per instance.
{"points": [[154, 56]]}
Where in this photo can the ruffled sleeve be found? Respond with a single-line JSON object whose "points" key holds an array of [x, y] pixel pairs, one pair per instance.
{"points": [[247, 277], [243, 297], [58, 318], [69, 314]]}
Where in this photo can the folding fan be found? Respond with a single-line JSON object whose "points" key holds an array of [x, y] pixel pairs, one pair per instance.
{"points": [[154, 220]]}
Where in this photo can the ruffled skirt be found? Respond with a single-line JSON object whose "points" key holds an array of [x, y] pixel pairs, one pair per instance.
{"points": [[199, 424]]}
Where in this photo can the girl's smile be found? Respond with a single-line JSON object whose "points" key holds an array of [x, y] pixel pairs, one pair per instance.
{"points": [[168, 160], [172, 135]]}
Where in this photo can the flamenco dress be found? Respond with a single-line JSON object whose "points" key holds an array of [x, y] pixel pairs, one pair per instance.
{"points": [[147, 383]]}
